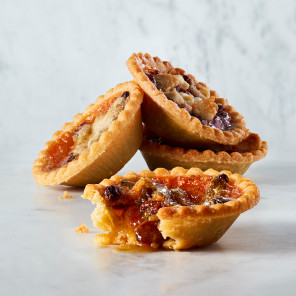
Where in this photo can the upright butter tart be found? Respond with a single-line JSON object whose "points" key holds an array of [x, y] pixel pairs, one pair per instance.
{"points": [[176, 209], [97, 143]]}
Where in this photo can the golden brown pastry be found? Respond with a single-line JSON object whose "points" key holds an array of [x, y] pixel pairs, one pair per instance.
{"points": [[234, 158], [176, 209], [183, 111], [97, 143]]}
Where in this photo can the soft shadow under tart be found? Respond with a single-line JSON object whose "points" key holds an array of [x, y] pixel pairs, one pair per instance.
{"points": [[235, 158], [177, 209], [172, 120], [97, 143]]}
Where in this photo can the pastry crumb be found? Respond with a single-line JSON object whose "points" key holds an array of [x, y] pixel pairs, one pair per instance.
{"points": [[82, 228], [65, 195]]}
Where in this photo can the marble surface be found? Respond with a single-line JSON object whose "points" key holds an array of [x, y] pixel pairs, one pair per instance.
{"points": [[40, 253], [56, 57]]}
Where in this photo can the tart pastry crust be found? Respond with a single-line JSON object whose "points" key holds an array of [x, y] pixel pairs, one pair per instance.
{"points": [[174, 124], [235, 158], [181, 227], [108, 153]]}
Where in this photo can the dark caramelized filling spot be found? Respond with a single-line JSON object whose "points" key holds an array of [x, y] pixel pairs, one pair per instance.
{"points": [[70, 158], [79, 127], [220, 199], [177, 196], [221, 120], [112, 193], [140, 200], [151, 75], [180, 89], [187, 79], [126, 183], [125, 94]]}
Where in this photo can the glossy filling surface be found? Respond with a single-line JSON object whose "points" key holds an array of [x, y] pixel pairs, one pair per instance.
{"points": [[73, 143], [194, 98], [136, 202]]}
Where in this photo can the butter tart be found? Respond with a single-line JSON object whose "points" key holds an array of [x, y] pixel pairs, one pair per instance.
{"points": [[97, 143], [234, 158], [182, 110], [177, 209]]}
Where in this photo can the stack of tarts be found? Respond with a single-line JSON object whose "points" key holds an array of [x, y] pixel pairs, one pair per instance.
{"points": [[181, 126]]}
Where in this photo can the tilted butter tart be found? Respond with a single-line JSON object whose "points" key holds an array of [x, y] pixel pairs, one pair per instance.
{"points": [[97, 143], [175, 209], [235, 158], [182, 110]]}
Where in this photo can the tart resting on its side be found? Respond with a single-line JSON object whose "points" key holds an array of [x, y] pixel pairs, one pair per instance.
{"points": [[183, 111], [177, 209], [235, 158], [97, 143]]}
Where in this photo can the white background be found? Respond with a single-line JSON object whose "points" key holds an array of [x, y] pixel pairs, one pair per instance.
{"points": [[56, 57]]}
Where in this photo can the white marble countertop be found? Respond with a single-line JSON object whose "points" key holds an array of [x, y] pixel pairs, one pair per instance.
{"points": [[56, 57], [40, 253]]}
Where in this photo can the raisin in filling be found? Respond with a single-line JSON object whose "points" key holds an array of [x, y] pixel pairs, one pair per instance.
{"points": [[221, 120], [151, 75], [139, 201], [194, 98]]}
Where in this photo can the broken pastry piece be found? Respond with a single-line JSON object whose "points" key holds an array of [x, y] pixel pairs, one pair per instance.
{"points": [[65, 195], [234, 158], [97, 143], [82, 228], [183, 111], [176, 209]]}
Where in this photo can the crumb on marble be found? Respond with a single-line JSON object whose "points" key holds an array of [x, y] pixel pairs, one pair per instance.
{"points": [[82, 228], [65, 195]]}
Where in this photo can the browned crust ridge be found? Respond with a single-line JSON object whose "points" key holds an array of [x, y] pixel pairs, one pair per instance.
{"points": [[162, 155]]}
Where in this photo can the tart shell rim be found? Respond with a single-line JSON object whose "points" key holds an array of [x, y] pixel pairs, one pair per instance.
{"points": [[208, 155]]}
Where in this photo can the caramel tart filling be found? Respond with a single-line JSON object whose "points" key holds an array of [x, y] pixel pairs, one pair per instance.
{"points": [[73, 143], [135, 202]]}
